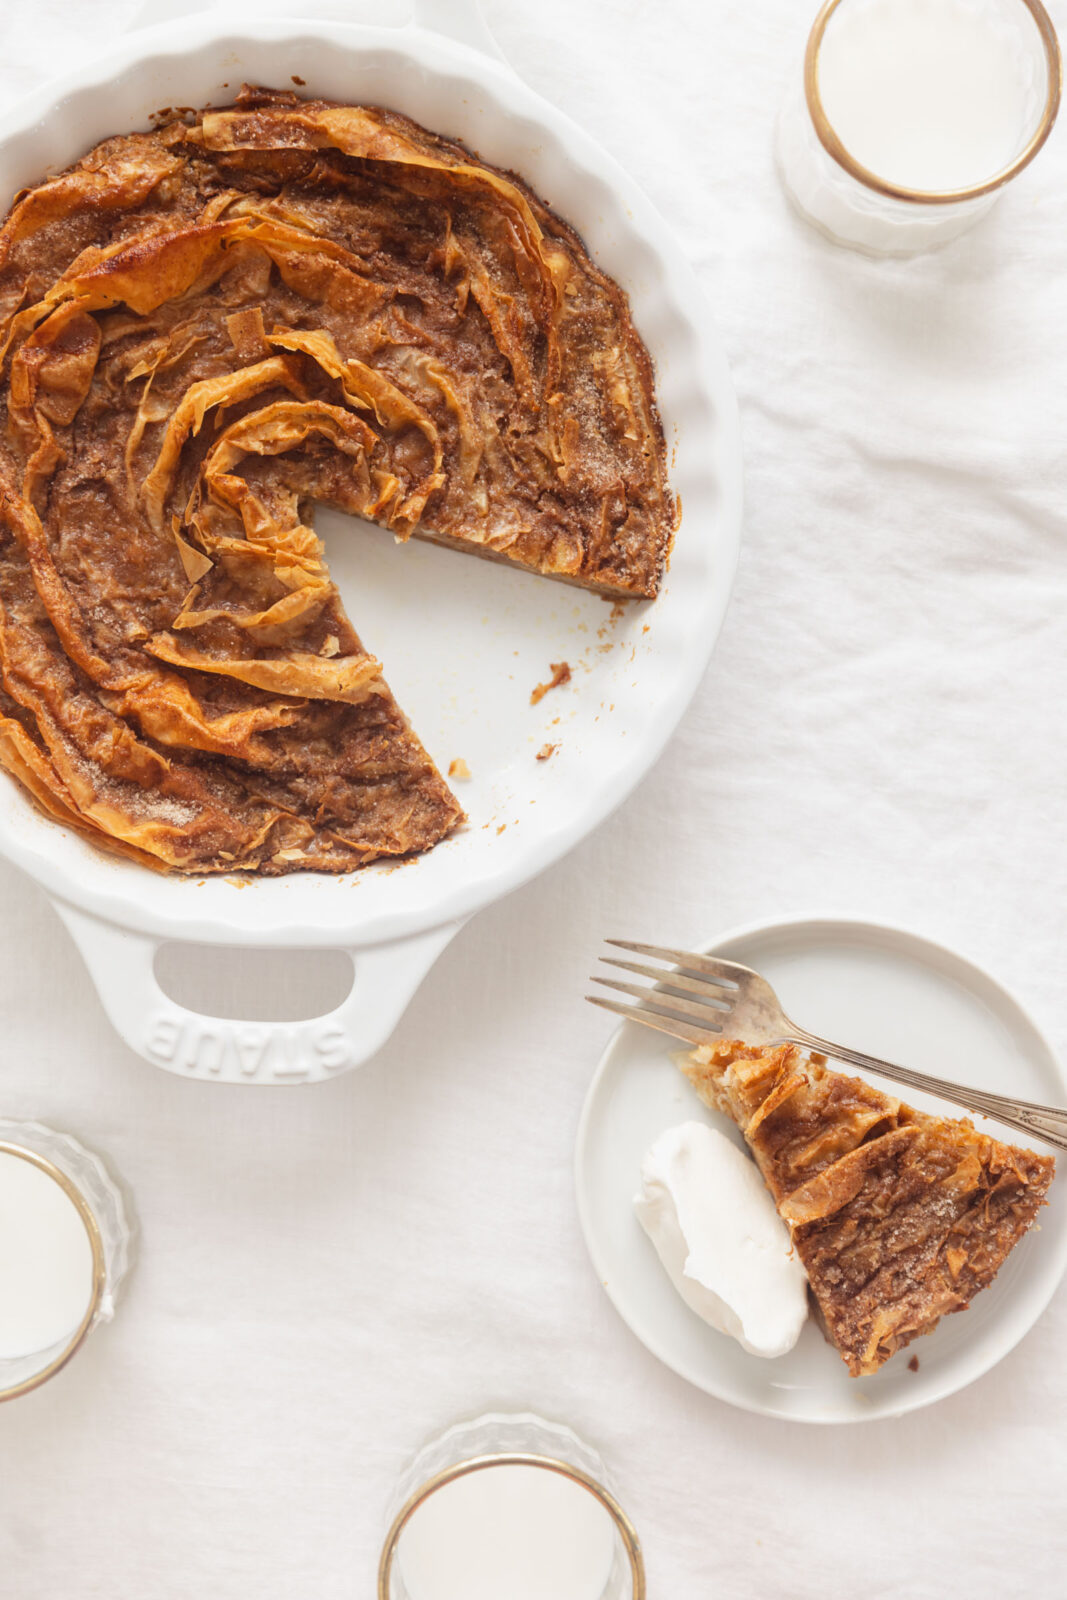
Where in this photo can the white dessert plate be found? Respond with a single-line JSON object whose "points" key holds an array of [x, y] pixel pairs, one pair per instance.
{"points": [[884, 991]]}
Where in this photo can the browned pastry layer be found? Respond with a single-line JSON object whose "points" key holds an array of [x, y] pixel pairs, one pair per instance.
{"points": [[898, 1217], [205, 330]]}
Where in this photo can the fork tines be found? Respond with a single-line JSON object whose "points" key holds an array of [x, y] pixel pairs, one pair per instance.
{"points": [[668, 1005]]}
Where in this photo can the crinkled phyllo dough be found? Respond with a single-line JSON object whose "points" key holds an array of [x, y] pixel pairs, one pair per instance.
{"points": [[899, 1217], [208, 329]]}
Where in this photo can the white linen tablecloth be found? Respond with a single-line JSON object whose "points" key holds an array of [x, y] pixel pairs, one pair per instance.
{"points": [[328, 1276]]}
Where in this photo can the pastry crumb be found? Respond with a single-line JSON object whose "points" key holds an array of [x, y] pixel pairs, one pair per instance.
{"points": [[913, 1364], [561, 673], [459, 769], [300, 82], [546, 750]]}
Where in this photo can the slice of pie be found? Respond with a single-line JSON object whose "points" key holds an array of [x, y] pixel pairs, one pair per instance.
{"points": [[898, 1217]]}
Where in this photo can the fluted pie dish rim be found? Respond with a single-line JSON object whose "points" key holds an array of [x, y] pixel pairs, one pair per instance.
{"points": [[57, 123]]}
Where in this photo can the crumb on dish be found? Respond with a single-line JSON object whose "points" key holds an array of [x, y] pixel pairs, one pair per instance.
{"points": [[561, 673]]}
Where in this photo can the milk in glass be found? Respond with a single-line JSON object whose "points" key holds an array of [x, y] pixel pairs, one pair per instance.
{"points": [[508, 1533], [923, 93], [46, 1261]]}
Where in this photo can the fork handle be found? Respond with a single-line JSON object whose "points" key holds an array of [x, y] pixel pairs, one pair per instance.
{"points": [[1042, 1122]]}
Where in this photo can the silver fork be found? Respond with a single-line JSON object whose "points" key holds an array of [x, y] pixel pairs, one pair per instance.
{"points": [[704, 997]]}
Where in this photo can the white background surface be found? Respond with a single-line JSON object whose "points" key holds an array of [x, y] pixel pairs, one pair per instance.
{"points": [[329, 1275]]}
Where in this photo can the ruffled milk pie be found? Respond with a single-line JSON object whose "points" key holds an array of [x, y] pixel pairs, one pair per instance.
{"points": [[205, 330]]}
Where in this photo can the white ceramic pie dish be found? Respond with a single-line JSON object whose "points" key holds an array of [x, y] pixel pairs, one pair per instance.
{"points": [[463, 641]]}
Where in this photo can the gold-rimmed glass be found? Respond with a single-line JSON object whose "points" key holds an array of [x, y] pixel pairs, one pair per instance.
{"points": [[498, 1441], [104, 1214], [873, 212]]}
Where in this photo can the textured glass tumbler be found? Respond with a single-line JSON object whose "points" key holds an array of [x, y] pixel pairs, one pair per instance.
{"points": [[500, 1441], [866, 211], [103, 1211]]}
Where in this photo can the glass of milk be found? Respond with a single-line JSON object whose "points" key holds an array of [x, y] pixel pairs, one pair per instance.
{"points": [[509, 1507], [64, 1250], [911, 116]]}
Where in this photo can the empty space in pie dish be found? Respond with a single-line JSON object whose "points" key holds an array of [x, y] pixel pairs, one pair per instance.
{"points": [[883, 991], [463, 642]]}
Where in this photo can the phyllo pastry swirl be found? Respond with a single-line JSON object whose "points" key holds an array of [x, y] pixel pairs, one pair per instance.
{"points": [[898, 1217], [207, 329]]}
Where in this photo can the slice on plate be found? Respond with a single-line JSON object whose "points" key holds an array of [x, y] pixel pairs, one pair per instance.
{"points": [[898, 1217]]}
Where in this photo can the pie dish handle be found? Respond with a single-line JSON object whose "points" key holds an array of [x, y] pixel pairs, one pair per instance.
{"points": [[121, 964]]}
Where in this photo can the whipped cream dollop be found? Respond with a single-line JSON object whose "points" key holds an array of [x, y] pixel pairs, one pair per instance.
{"points": [[703, 1204]]}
